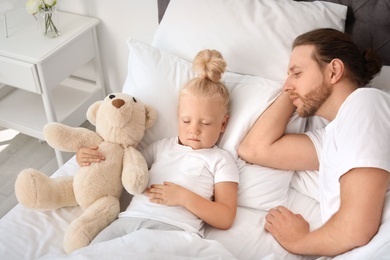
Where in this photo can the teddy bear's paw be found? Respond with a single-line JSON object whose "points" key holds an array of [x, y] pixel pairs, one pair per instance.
{"points": [[35, 190], [84, 229], [27, 186], [136, 183], [75, 238]]}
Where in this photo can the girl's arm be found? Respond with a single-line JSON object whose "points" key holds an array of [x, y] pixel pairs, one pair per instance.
{"points": [[267, 144], [87, 155], [219, 213]]}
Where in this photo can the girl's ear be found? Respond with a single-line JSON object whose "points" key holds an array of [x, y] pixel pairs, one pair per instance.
{"points": [[224, 123], [337, 70]]}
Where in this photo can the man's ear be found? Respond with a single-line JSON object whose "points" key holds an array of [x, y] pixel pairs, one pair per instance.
{"points": [[336, 69]]}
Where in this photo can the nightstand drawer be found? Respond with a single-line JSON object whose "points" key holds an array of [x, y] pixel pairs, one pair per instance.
{"points": [[19, 74]]}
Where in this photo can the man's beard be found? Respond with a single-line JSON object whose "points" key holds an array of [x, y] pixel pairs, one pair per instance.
{"points": [[313, 100]]}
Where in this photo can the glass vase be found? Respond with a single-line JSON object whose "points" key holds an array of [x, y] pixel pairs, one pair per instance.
{"points": [[48, 22]]}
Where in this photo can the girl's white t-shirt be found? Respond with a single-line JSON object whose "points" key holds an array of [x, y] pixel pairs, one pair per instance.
{"points": [[196, 170]]}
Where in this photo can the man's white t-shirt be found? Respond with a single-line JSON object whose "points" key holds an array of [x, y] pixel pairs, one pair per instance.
{"points": [[196, 170], [358, 137]]}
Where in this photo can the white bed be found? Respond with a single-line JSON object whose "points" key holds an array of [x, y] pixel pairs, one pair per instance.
{"points": [[254, 36]]}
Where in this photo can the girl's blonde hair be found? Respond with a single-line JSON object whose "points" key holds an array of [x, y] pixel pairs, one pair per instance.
{"points": [[208, 66]]}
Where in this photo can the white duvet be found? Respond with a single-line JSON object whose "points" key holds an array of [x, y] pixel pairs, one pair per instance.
{"points": [[31, 234]]}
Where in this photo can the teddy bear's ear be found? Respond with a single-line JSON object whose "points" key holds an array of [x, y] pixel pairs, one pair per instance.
{"points": [[151, 116], [92, 111]]}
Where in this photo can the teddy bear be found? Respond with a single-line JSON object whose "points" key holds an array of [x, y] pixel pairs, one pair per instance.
{"points": [[120, 121]]}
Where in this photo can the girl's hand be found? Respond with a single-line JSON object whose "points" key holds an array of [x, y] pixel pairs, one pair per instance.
{"points": [[169, 194], [87, 155], [219, 213]]}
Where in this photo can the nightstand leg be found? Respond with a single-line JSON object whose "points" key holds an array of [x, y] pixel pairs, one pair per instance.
{"points": [[5, 26], [60, 158]]}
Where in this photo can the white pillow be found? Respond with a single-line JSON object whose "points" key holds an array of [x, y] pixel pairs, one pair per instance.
{"points": [[250, 96], [263, 187], [254, 36], [155, 77]]}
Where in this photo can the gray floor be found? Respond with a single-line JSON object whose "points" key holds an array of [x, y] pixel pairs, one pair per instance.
{"points": [[17, 152]]}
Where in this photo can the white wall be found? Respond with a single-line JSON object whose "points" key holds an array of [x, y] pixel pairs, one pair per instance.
{"points": [[119, 19]]}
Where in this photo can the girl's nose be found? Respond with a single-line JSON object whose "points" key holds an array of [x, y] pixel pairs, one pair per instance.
{"points": [[195, 130]]}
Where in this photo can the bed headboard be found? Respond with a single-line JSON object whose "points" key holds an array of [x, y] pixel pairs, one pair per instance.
{"points": [[368, 21]]}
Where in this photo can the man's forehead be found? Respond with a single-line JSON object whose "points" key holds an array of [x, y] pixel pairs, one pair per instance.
{"points": [[300, 56], [304, 51]]}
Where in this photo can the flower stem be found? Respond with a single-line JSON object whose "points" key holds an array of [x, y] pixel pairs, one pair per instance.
{"points": [[50, 28]]}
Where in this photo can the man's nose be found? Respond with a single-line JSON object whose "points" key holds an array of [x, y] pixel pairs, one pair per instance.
{"points": [[287, 86]]}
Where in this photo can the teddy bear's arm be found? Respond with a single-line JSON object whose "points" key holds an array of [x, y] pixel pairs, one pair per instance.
{"points": [[69, 139], [135, 173]]}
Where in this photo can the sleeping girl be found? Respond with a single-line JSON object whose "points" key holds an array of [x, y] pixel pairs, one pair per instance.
{"points": [[192, 181]]}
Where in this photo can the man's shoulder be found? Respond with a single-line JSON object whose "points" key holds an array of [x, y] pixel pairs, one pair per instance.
{"points": [[370, 100], [371, 93]]}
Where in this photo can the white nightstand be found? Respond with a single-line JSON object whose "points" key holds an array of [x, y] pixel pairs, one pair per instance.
{"points": [[36, 72]]}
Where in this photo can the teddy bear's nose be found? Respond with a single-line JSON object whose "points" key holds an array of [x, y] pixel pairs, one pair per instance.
{"points": [[118, 103]]}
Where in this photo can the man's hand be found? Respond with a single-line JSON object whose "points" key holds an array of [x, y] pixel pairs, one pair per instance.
{"points": [[287, 228]]}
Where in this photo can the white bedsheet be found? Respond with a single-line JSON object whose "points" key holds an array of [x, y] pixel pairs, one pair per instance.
{"points": [[151, 244], [31, 234]]}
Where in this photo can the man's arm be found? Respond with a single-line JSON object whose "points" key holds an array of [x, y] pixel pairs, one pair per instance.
{"points": [[362, 198], [267, 144]]}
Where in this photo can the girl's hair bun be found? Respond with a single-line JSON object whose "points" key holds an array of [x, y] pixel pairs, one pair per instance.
{"points": [[209, 64]]}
